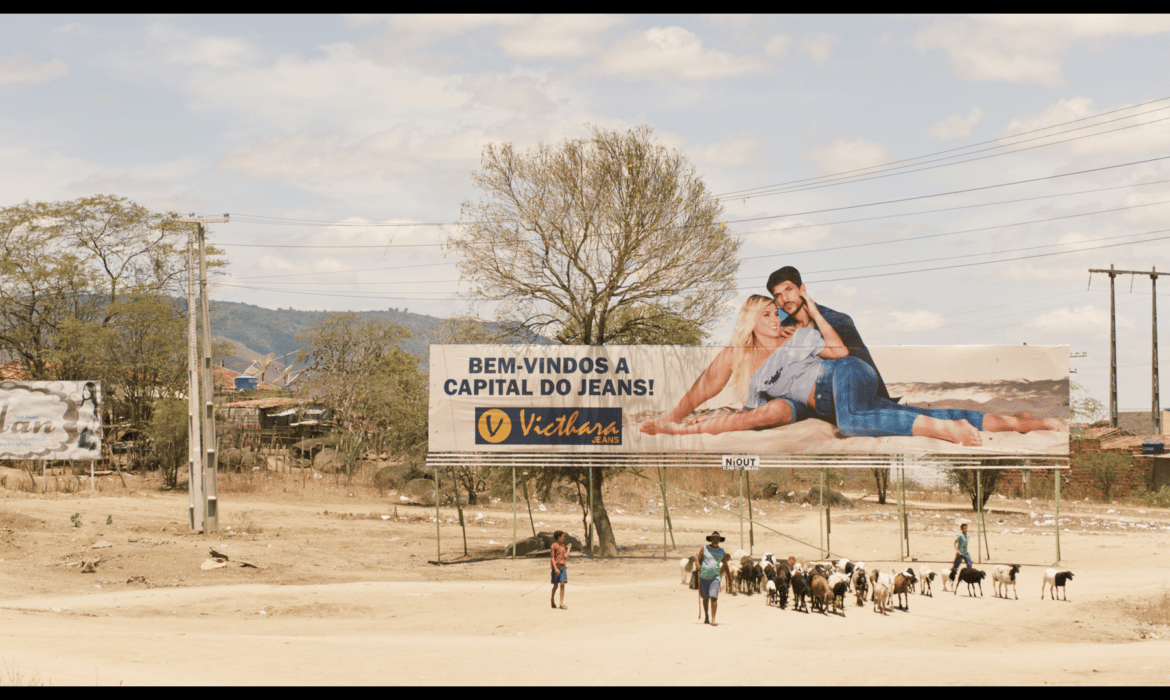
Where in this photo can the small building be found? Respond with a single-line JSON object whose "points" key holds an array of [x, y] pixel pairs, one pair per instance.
{"points": [[1146, 471], [281, 419]]}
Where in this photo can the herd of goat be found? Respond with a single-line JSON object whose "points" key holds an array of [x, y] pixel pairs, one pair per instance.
{"points": [[824, 585]]}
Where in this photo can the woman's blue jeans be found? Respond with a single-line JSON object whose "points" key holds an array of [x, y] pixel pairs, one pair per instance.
{"points": [[847, 390]]}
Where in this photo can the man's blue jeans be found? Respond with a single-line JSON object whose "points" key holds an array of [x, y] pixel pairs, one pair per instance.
{"points": [[847, 389]]}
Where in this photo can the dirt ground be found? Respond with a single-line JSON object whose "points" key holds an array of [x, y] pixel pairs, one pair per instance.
{"points": [[344, 590]]}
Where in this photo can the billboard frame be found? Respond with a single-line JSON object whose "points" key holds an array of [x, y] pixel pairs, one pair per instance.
{"points": [[626, 461]]}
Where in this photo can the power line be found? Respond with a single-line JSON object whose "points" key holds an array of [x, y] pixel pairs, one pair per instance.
{"points": [[856, 178], [955, 233], [893, 201], [990, 262], [739, 193]]}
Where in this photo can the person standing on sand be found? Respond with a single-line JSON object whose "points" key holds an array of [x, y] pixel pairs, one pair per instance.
{"points": [[559, 554], [712, 561], [961, 552]]}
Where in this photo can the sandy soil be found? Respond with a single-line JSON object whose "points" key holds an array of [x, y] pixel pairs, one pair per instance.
{"points": [[339, 595]]}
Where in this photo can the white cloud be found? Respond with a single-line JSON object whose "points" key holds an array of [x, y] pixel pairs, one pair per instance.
{"points": [[1151, 137], [913, 321], [22, 69], [1076, 317], [670, 53], [792, 237], [337, 154], [562, 37], [193, 50], [777, 46], [1148, 218], [120, 184], [956, 126], [1025, 48], [847, 152], [515, 93], [734, 151], [818, 46]]}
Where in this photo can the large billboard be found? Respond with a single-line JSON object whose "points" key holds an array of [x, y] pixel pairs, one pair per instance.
{"points": [[50, 420], [1001, 400]]}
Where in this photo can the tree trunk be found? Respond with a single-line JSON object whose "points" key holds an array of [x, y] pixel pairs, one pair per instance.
{"points": [[606, 542], [881, 475]]}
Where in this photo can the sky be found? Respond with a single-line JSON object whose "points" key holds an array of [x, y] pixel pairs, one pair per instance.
{"points": [[945, 180]]}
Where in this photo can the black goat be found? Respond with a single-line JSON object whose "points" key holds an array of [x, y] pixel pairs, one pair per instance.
{"points": [[971, 577]]}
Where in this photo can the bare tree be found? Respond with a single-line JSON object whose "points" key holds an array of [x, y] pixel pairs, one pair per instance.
{"points": [[570, 238], [608, 240]]}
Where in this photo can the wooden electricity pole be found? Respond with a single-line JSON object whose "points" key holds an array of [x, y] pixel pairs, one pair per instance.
{"points": [[1155, 409], [204, 500]]}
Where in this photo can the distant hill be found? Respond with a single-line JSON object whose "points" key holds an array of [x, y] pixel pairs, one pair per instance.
{"points": [[253, 331]]}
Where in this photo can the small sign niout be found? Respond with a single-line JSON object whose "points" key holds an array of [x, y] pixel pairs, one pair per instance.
{"points": [[741, 462]]}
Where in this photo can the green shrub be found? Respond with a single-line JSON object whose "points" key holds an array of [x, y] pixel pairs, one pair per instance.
{"points": [[168, 431], [1105, 468], [1154, 499]]}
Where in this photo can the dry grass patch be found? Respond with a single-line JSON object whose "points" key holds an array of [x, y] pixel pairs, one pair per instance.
{"points": [[1154, 611]]}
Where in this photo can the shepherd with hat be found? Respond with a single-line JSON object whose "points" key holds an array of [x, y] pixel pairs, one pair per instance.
{"points": [[712, 561]]}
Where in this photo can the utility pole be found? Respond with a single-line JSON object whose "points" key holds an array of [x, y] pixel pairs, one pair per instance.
{"points": [[1155, 409], [206, 495]]}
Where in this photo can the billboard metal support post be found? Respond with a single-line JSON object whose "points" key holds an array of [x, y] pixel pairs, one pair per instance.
{"points": [[822, 518], [591, 529], [741, 509], [905, 509], [438, 534], [981, 534], [903, 513], [1057, 518], [747, 477], [1155, 410], [513, 512]]}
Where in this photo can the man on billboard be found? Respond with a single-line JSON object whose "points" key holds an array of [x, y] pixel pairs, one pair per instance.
{"points": [[785, 286]]}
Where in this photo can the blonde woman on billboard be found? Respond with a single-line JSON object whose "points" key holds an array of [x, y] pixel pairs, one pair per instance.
{"points": [[785, 374]]}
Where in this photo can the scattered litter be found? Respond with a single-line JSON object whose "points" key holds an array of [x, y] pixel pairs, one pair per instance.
{"points": [[385, 517], [541, 508], [210, 564]]}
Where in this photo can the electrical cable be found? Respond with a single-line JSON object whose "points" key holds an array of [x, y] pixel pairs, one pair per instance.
{"points": [[857, 178], [736, 194]]}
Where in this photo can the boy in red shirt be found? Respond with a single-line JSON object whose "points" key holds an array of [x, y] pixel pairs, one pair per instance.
{"points": [[559, 553]]}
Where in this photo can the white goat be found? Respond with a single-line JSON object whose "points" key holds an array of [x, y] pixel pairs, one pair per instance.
{"points": [[927, 577], [1004, 575], [1053, 579], [881, 594]]}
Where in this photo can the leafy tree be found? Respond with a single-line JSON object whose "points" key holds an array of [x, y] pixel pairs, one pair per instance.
{"points": [[666, 329], [1105, 468], [373, 385], [988, 479], [610, 239], [168, 432], [86, 290], [1084, 408]]}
